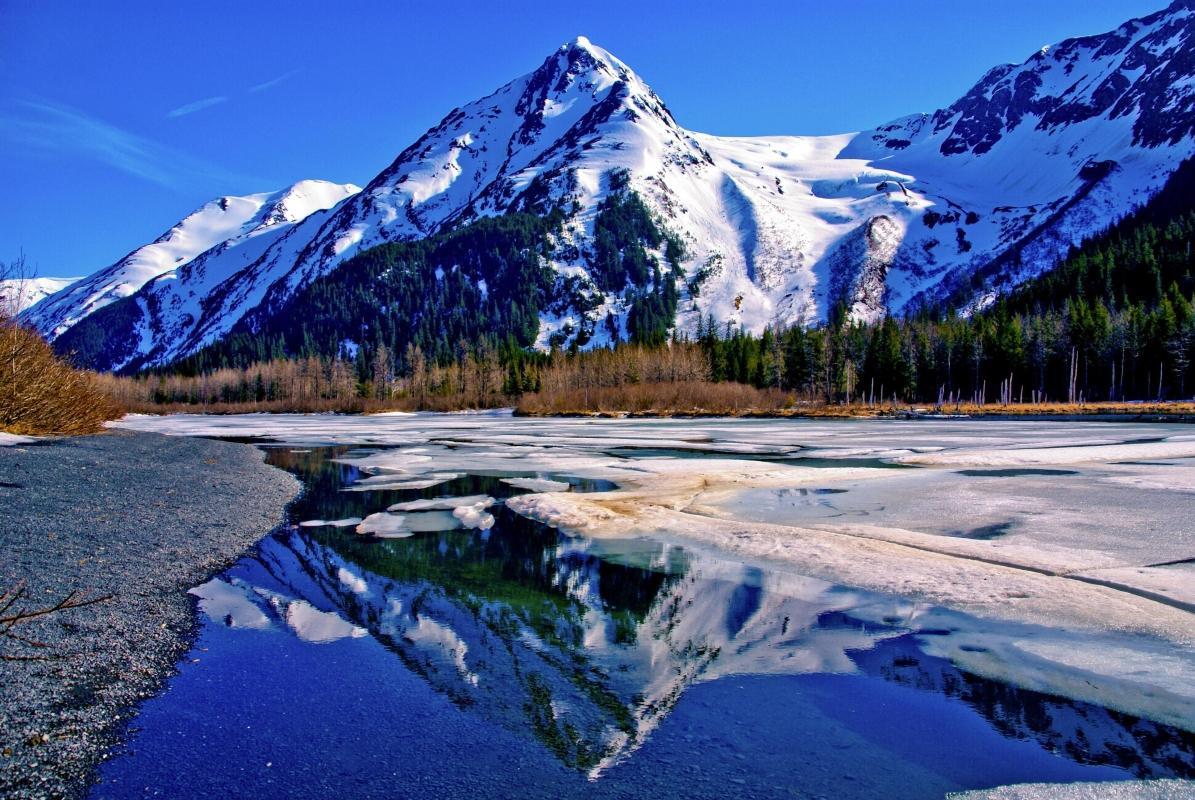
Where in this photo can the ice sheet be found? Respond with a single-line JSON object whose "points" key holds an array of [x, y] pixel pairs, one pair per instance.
{"points": [[1067, 526], [347, 522], [385, 525], [537, 484], [444, 503]]}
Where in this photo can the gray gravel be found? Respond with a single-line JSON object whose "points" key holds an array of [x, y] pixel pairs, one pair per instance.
{"points": [[137, 515]]}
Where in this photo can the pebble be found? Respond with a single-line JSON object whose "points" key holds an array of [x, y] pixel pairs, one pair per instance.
{"points": [[140, 516]]}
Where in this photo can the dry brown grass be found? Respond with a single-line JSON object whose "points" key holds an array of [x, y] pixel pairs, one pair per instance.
{"points": [[703, 398], [39, 392], [311, 385], [678, 398], [1157, 408]]}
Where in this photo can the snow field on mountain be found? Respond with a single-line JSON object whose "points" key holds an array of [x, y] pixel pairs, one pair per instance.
{"points": [[1033, 159], [18, 294], [189, 261], [196, 233]]}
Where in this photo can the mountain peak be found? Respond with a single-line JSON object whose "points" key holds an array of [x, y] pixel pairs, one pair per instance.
{"points": [[301, 199], [578, 43], [774, 229], [581, 57]]}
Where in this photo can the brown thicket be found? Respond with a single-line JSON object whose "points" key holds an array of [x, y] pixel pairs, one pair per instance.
{"points": [[681, 397], [672, 379], [39, 392], [311, 385], [477, 380]]}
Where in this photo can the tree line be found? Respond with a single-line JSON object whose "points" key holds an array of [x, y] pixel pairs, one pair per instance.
{"points": [[451, 320]]}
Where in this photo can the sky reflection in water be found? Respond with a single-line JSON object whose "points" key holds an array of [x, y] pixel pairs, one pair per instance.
{"points": [[518, 662]]}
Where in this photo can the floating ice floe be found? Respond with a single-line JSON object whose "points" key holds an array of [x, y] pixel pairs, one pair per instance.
{"points": [[475, 516], [347, 522], [444, 503], [385, 526], [427, 521], [388, 483], [537, 484]]}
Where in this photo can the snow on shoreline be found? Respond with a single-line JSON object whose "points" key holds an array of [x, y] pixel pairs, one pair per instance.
{"points": [[11, 439]]}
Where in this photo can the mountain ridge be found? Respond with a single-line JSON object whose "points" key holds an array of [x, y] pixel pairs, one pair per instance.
{"points": [[961, 204]]}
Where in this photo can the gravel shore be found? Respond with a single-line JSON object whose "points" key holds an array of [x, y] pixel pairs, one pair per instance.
{"points": [[139, 516]]}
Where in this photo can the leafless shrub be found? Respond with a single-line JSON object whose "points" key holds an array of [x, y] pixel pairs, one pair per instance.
{"points": [[39, 392]]}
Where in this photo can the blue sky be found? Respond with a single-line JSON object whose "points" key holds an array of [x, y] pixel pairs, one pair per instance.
{"points": [[117, 119]]}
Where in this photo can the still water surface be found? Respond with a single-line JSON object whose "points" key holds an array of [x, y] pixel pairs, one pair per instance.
{"points": [[513, 661]]}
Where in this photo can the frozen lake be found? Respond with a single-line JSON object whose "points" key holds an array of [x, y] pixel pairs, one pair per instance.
{"points": [[689, 608]]}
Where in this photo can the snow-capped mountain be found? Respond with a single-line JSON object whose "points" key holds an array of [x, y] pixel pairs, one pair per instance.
{"points": [[959, 203], [18, 294], [1037, 156], [222, 223]]}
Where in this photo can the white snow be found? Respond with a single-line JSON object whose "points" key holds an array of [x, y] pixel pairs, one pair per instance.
{"points": [[777, 227], [474, 516], [445, 503], [391, 483], [10, 439], [241, 605], [352, 581], [18, 294], [537, 484], [389, 526], [221, 238], [1056, 456], [319, 627], [347, 522]]}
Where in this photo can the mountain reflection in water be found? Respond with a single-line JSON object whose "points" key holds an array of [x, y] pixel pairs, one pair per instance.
{"points": [[586, 647]]}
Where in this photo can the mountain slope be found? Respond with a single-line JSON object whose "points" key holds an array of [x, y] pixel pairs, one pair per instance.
{"points": [[959, 205], [18, 294], [1037, 156], [225, 221]]}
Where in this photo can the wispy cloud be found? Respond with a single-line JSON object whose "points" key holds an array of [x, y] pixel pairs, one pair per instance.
{"points": [[208, 102], [270, 84], [41, 126], [198, 105]]}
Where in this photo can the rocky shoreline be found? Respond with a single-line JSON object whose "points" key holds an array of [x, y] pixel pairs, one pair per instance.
{"points": [[138, 516]]}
